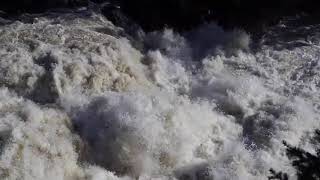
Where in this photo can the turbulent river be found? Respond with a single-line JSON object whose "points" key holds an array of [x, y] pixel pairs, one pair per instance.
{"points": [[83, 99]]}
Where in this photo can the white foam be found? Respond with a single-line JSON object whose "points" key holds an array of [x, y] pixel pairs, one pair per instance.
{"points": [[78, 101]]}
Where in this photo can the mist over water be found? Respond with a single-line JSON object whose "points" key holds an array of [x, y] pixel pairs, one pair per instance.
{"points": [[81, 98]]}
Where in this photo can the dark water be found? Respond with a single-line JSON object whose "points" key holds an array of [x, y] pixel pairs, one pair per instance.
{"points": [[181, 14]]}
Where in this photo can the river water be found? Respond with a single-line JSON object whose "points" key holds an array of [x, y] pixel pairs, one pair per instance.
{"points": [[80, 98]]}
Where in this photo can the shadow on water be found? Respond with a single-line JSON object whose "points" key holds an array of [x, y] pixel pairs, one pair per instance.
{"points": [[292, 32], [180, 15]]}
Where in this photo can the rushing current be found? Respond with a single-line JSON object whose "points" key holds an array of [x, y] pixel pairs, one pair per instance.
{"points": [[83, 99]]}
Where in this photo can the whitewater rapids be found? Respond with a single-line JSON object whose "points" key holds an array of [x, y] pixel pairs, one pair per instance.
{"points": [[81, 99]]}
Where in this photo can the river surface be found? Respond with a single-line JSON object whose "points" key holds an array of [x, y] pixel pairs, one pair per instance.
{"points": [[83, 99]]}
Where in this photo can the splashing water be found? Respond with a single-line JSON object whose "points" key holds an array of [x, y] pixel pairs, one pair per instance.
{"points": [[78, 100]]}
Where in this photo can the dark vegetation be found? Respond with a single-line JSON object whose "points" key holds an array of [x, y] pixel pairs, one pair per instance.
{"points": [[183, 14], [307, 165]]}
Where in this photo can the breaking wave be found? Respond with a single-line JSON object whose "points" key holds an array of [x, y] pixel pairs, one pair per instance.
{"points": [[82, 99]]}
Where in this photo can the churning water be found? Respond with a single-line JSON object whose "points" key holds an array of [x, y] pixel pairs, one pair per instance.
{"points": [[81, 99]]}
